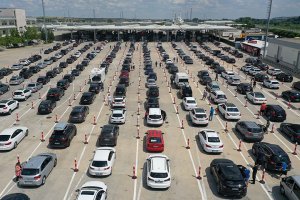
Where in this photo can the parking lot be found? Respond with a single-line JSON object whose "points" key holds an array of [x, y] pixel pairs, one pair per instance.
{"points": [[188, 161]]}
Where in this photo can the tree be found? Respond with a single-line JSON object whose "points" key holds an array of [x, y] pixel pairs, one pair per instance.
{"points": [[31, 33], [51, 36]]}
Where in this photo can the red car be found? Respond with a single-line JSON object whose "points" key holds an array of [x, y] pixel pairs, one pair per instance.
{"points": [[124, 74], [155, 141]]}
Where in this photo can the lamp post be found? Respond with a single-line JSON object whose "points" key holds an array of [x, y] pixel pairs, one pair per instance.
{"points": [[45, 28]]}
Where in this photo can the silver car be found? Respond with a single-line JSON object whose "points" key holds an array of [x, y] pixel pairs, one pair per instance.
{"points": [[234, 80], [250, 131], [16, 80], [34, 86], [42, 65], [37, 169]]}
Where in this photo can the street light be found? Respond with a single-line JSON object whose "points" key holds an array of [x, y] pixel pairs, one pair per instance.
{"points": [[45, 28]]}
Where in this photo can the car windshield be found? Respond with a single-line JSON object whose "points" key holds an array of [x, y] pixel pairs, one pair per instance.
{"points": [[281, 158], [213, 139], [118, 100], [232, 110], [155, 116], [158, 175], [155, 140], [96, 78], [18, 93], [222, 96], [215, 86], [259, 95], [58, 134], [4, 138], [255, 130], [30, 172], [97, 163], [183, 80]]}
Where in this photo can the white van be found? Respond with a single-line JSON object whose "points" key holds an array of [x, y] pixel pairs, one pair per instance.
{"points": [[290, 187], [194, 48], [154, 117], [181, 79], [97, 75]]}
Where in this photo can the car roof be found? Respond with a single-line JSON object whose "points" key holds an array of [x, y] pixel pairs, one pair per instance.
{"points": [[102, 153], [219, 92], [190, 98], [229, 105], [11, 130], [35, 162], [60, 126], [210, 133], [4, 101], [250, 124], [159, 163], [199, 110], [154, 133], [117, 111], [275, 107], [275, 148], [154, 111]]}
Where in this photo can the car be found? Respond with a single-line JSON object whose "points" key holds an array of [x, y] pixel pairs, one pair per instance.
{"points": [[26, 73], [63, 84], [16, 80], [291, 95], [272, 84], [4, 88], [48, 61], [272, 154], [227, 74], [151, 83], [204, 80], [92, 190], [152, 76], [22, 94], [158, 171], [34, 86], [87, 98], [118, 116], [118, 101], [24, 62], [152, 92], [243, 88], [256, 97], [69, 77], [296, 85], [229, 111], [185, 91], [154, 141], [124, 81], [46, 107], [62, 135], [250, 131], [14, 196], [16, 67], [250, 60], [212, 86], [173, 69], [210, 141], [284, 77], [6, 71], [198, 116], [253, 71], [289, 187], [11, 137], [218, 97], [154, 117], [275, 113], [109, 135], [233, 80], [42, 65], [120, 90], [78, 114], [7, 106], [63, 64], [202, 73], [189, 103], [79, 67], [95, 88], [291, 130], [58, 56], [246, 68], [102, 162], [75, 72], [34, 69], [36, 170], [152, 102], [43, 79], [260, 77], [219, 69], [229, 179], [55, 94], [51, 74], [273, 71]]}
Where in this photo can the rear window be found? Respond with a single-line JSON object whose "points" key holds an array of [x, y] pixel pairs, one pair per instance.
{"points": [[191, 101], [96, 78], [99, 163], [155, 116], [18, 93], [200, 115], [213, 139], [117, 115], [232, 110], [183, 80], [2, 106], [158, 175], [30, 172], [155, 140], [255, 130], [221, 96], [4, 138], [31, 85]]}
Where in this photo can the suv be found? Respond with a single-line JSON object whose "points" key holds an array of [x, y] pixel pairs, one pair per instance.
{"points": [[46, 107], [62, 135], [109, 135], [229, 111], [37, 169], [250, 131], [43, 79], [3, 88], [275, 113], [243, 88], [290, 187], [212, 86], [63, 84], [152, 92], [55, 94], [158, 171], [78, 114], [120, 90], [69, 77], [273, 155], [7, 106], [152, 102], [185, 91], [155, 117], [218, 97]]}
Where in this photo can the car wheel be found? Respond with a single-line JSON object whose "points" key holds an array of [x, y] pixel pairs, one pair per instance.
{"points": [[15, 145], [69, 142], [253, 151], [44, 180], [26, 133], [282, 190], [9, 112], [55, 162], [17, 105]]}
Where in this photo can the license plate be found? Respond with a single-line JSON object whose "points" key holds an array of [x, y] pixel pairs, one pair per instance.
{"points": [[1, 144], [98, 173], [158, 181], [85, 100], [214, 150], [56, 143], [235, 189]]}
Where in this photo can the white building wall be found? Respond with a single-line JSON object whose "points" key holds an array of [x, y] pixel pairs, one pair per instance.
{"points": [[289, 55]]}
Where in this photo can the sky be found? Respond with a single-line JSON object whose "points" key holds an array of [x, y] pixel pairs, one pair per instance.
{"points": [[157, 9]]}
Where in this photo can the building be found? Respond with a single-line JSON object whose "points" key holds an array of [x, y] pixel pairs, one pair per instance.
{"points": [[12, 18], [254, 47], [285, 52]]}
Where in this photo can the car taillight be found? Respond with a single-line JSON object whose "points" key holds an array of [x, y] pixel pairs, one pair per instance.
{"points": [[63, 139], [8, 143], [293, 97], [5, 107], [106, 168], [273, 113], [92, 167], [207, 145], [221, 146], [37, 177]]}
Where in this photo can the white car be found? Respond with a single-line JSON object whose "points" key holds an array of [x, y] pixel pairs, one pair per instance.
{"points": [[58, 55], [92, 190], [24, 62], [155, 117], [246, 68], [256, 97], [210, 141], [189, 103], [229, 111], [273, 71], [158, 171], [151, 83], [17, 66], [272, 84], [234, 80], [198, 116], [218, 96], [253, 71], [11, 137], [34, 86], [227, 74], [119, 101], [118, 116], [77, 54], [103, 161], [7, 106], [22, 94], [169, 61]]}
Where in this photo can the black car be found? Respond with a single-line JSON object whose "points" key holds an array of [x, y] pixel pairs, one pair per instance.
{"points": [[62, 135], [69, 77], [55, 94], [209, 61], [291, 130], [43, 79], [152, 102], [78, 114], [173, 69], [75, 72], [87, 98], [51, 74], [25, 73], [54, 58], [202, 73], [260, 77], [272, 155], [219, 69], [63, 84], [152, 91], [296, 85], [34, 69], [284, 77], [120, 90], [124, 80], [95, 87], [275, 113], [6, 71], [243, 88], [57, 70], [63, 64], [204, 80], [109, 135], [185, 91], [229, 179], [80, 67], [230, 60], [291, 95], [46, 107], [262, 66], [3, 88], [70, 60]]}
